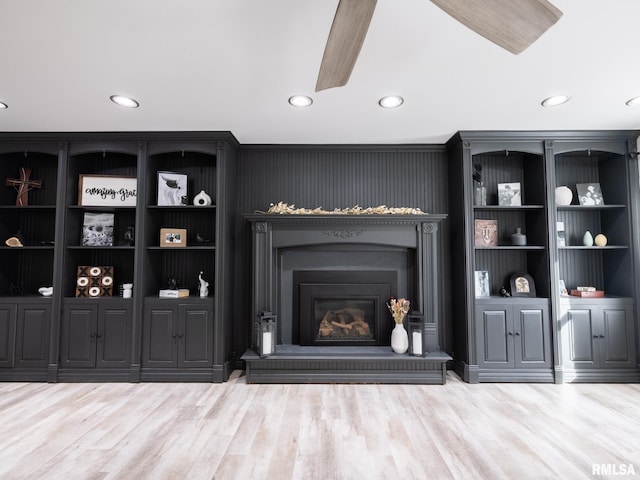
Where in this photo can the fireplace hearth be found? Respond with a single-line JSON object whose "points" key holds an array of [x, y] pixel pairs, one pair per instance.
{"points": [[327, 279]]}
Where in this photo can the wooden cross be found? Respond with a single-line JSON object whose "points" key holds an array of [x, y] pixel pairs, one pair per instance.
{"points": [[23, 185]]}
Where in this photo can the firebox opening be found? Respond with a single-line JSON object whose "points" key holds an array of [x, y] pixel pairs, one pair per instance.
{"points": [[344, 319], [343, 307]]}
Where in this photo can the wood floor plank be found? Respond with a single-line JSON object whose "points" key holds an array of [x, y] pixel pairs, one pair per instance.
{"points": [[237, 431]]}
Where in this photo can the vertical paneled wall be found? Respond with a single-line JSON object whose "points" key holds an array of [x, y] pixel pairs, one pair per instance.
{"points": [[334, 177]]}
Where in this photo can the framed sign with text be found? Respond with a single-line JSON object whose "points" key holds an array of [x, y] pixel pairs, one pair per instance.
{"points": [[107, 190]]}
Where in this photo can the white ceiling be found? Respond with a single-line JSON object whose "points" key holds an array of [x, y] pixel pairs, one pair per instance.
{"points": [[232, 64]]}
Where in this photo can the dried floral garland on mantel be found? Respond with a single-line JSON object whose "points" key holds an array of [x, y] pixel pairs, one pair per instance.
{"points": [[285, 209]]}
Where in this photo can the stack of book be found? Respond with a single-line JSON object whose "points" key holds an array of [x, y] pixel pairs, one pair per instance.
{"points": [[587, 292], [174, 293]]}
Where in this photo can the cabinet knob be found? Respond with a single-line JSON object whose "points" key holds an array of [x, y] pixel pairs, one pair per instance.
{"points": [[180, 335], [601, 336], [510, 333], [517, 334], [92, 334], [174, 335], [98, 335], [596, 336]]}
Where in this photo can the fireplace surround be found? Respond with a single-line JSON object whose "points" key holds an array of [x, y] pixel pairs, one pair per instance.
{"points": [[352, 264]]}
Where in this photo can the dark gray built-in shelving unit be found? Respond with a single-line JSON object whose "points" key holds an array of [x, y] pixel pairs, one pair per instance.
{"points": [[111, 338], [549, 337]]}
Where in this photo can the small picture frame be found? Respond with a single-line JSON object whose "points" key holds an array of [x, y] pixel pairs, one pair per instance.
{"points": [[483, 289], [522, 285], [486, 233], [563, 289], [173, 237], [97, 230], [509, 194], [561, 234], [172, 189], [589, 194]]}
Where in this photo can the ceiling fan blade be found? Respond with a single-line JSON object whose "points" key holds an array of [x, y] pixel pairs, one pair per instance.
{"points": [[511, 24], [347, 34]]}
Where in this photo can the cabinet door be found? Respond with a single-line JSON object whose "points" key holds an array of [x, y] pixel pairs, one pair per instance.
{"points": [[160, 334], [495, 345], [32, 337], [7, 335], [79, 325], [617, 337], [113, 336], [581, 337], [532, 337], [195, 336]]}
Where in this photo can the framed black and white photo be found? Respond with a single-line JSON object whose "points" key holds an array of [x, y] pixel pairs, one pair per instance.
{"points": [[172, 189], [509, 194], [97, 230], [482, 284], [522, 285], [173, 237], [589, 194], [561, 234]]}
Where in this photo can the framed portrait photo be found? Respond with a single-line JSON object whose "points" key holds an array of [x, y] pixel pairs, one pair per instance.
{"points": [[482, 284], [522, 285], [509, 194]]}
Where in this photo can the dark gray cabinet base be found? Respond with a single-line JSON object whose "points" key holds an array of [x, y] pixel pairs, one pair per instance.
{"points": [[513, 340], [598, 340], [24, 338], [177, 340], [95, 339]]}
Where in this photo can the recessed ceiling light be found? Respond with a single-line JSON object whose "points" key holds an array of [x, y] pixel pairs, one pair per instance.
{"points": [[555, 100], [391, 101], [633, 101], [124, 101], [3, 106], [300, 100]]}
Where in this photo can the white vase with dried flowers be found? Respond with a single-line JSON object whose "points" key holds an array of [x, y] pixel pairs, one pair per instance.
{"points": [[399, 338]]}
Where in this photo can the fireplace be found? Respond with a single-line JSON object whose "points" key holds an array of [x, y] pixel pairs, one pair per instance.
{"points": [[342, 307], [327, 278]]}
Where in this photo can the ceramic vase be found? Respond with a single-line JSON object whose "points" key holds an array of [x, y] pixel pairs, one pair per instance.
{"points": [[518, 238], [479, 194], [564, 195], [202, 199], [587, 239], [399, 339]]}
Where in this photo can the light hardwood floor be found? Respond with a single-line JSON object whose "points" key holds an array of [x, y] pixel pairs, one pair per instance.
{"points": [[239, 431]]}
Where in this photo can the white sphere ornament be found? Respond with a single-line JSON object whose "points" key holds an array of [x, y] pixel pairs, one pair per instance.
{"points": [[564, 195], [202, 199], [600, 240]]}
